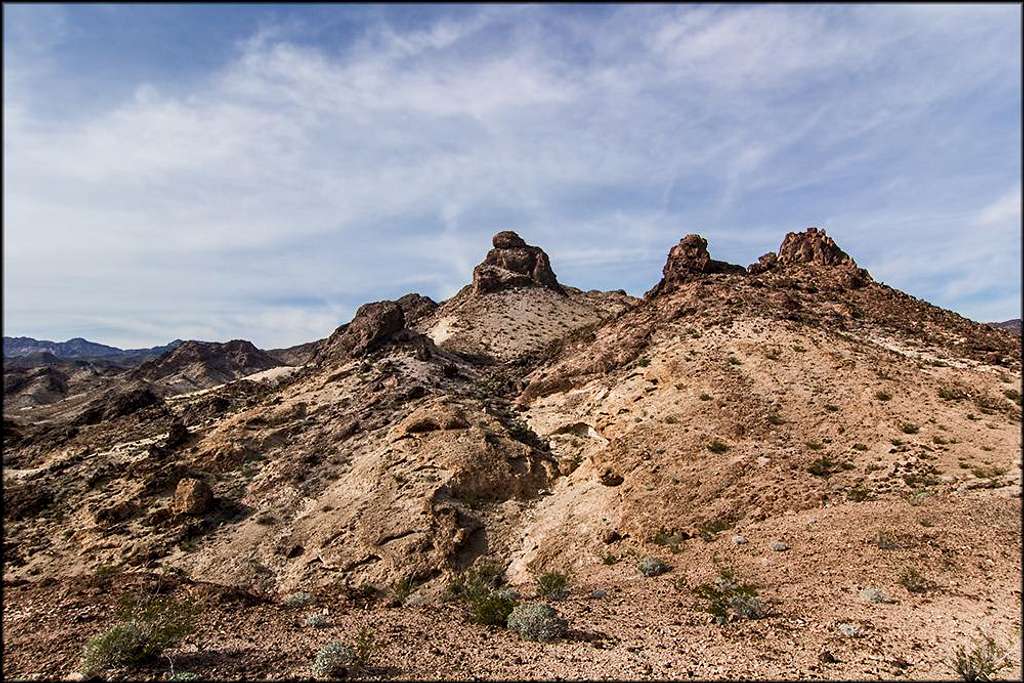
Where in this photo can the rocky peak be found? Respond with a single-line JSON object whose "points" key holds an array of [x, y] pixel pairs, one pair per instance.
{"points": [[372, 324], [687, 260], [813, 246], [513, 263]]}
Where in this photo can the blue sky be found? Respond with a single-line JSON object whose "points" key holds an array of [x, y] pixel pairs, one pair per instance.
{"points": [[257, 172]]}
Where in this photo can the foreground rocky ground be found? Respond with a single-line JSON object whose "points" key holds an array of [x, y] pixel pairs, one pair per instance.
{"points": [[850, 453]]}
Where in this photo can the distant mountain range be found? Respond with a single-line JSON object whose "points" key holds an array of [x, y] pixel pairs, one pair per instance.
{"points": [[1011, 325], [82, 349]]}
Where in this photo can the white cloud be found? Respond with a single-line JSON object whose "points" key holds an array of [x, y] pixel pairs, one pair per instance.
{"points": [[296, 173]]}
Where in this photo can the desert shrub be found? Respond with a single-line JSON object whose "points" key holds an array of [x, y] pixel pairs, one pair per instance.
{"points": [[813, 445], [337, 659], [553, 585], [537, 621], [776, 419], [859, 447], [982, 662], [909, 428], [318, 620], [610, 559], [705, 396], [718, 446], [643, 361], [184, 676], [1012, 394], [672, 539], [400, 591], [883, 395], [481, 591], [914, 581], [726, 597], [711, 527], [887, 540], [146, 628], [823, 467], [988, 471], [950, 393], [333, 660], [733, 360], [858, 494], [831, 408], [652, 566], [299, 599]]}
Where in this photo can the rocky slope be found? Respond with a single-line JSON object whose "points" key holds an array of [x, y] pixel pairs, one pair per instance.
{"points": [[200, 365], [82, 349], [817, 432]]}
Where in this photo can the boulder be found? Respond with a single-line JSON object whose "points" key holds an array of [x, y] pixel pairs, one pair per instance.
{"points": [[513, 263], [191, 497], [764, 263]]}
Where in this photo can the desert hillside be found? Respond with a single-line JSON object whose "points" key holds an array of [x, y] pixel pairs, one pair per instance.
{"points": [[834, 461]]}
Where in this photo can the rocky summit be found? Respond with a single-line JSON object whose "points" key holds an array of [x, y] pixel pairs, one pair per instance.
{"points": [[513, 263], [788, 470]]}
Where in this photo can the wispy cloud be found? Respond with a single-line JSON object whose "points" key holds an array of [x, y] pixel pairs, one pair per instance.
{"points": [[271, 194]]}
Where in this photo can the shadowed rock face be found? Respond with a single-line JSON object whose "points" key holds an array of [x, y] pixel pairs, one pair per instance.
{"points": [[372, 324], [513, 263], [687, 260]]}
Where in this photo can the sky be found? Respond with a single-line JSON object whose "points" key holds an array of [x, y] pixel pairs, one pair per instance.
{"points": [[258, 172]]}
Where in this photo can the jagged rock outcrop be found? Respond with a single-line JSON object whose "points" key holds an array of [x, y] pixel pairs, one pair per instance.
{"points": [[372, 324], [764, 263], [415, 306], [813, 246], [513, 263], [688, 260]]}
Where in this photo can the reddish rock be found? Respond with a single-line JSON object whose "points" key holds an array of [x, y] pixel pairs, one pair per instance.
{"points": [[372, 324], [689, 260], [513, 263], [191, 497], [764, 263], [813, 246]]}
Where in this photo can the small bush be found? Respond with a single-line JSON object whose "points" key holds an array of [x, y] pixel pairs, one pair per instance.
{"points": [[883, 395], [652, 566], [984, 660], [909, 428], [552, 585], [334, 660], [859, 447], [823, 467], [610, 559], [146, 629], [710, 528], [813, 445], [705, 396], [480, 590], [733, 360], [718, 446], [831, 408], [400, 591], [887, 540], [1013, 395], [727, 598], [643, 361], [318, 620], [914, 581], [988, 471], [952, 393], [296, 600], [776, 419], [537, 621]]}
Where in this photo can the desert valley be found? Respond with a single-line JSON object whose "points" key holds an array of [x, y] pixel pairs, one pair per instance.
{"points": [[784, 470]]}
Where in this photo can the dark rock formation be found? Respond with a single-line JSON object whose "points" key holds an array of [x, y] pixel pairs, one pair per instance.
{"points": [[513, 263], [813, 246], [372, 324], [415, 306], [689, 260], [764, 263]]}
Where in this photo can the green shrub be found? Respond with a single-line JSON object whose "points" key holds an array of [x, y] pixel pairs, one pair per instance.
{"points": [[643, 361], [295, 600], [146, 628], [984, 660], [400, 591], [705, 396], [552, 585], [537, 621], [481, 592], [652, 566], [338, 660], [727, 598], [334, 660], [318, 620]]}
